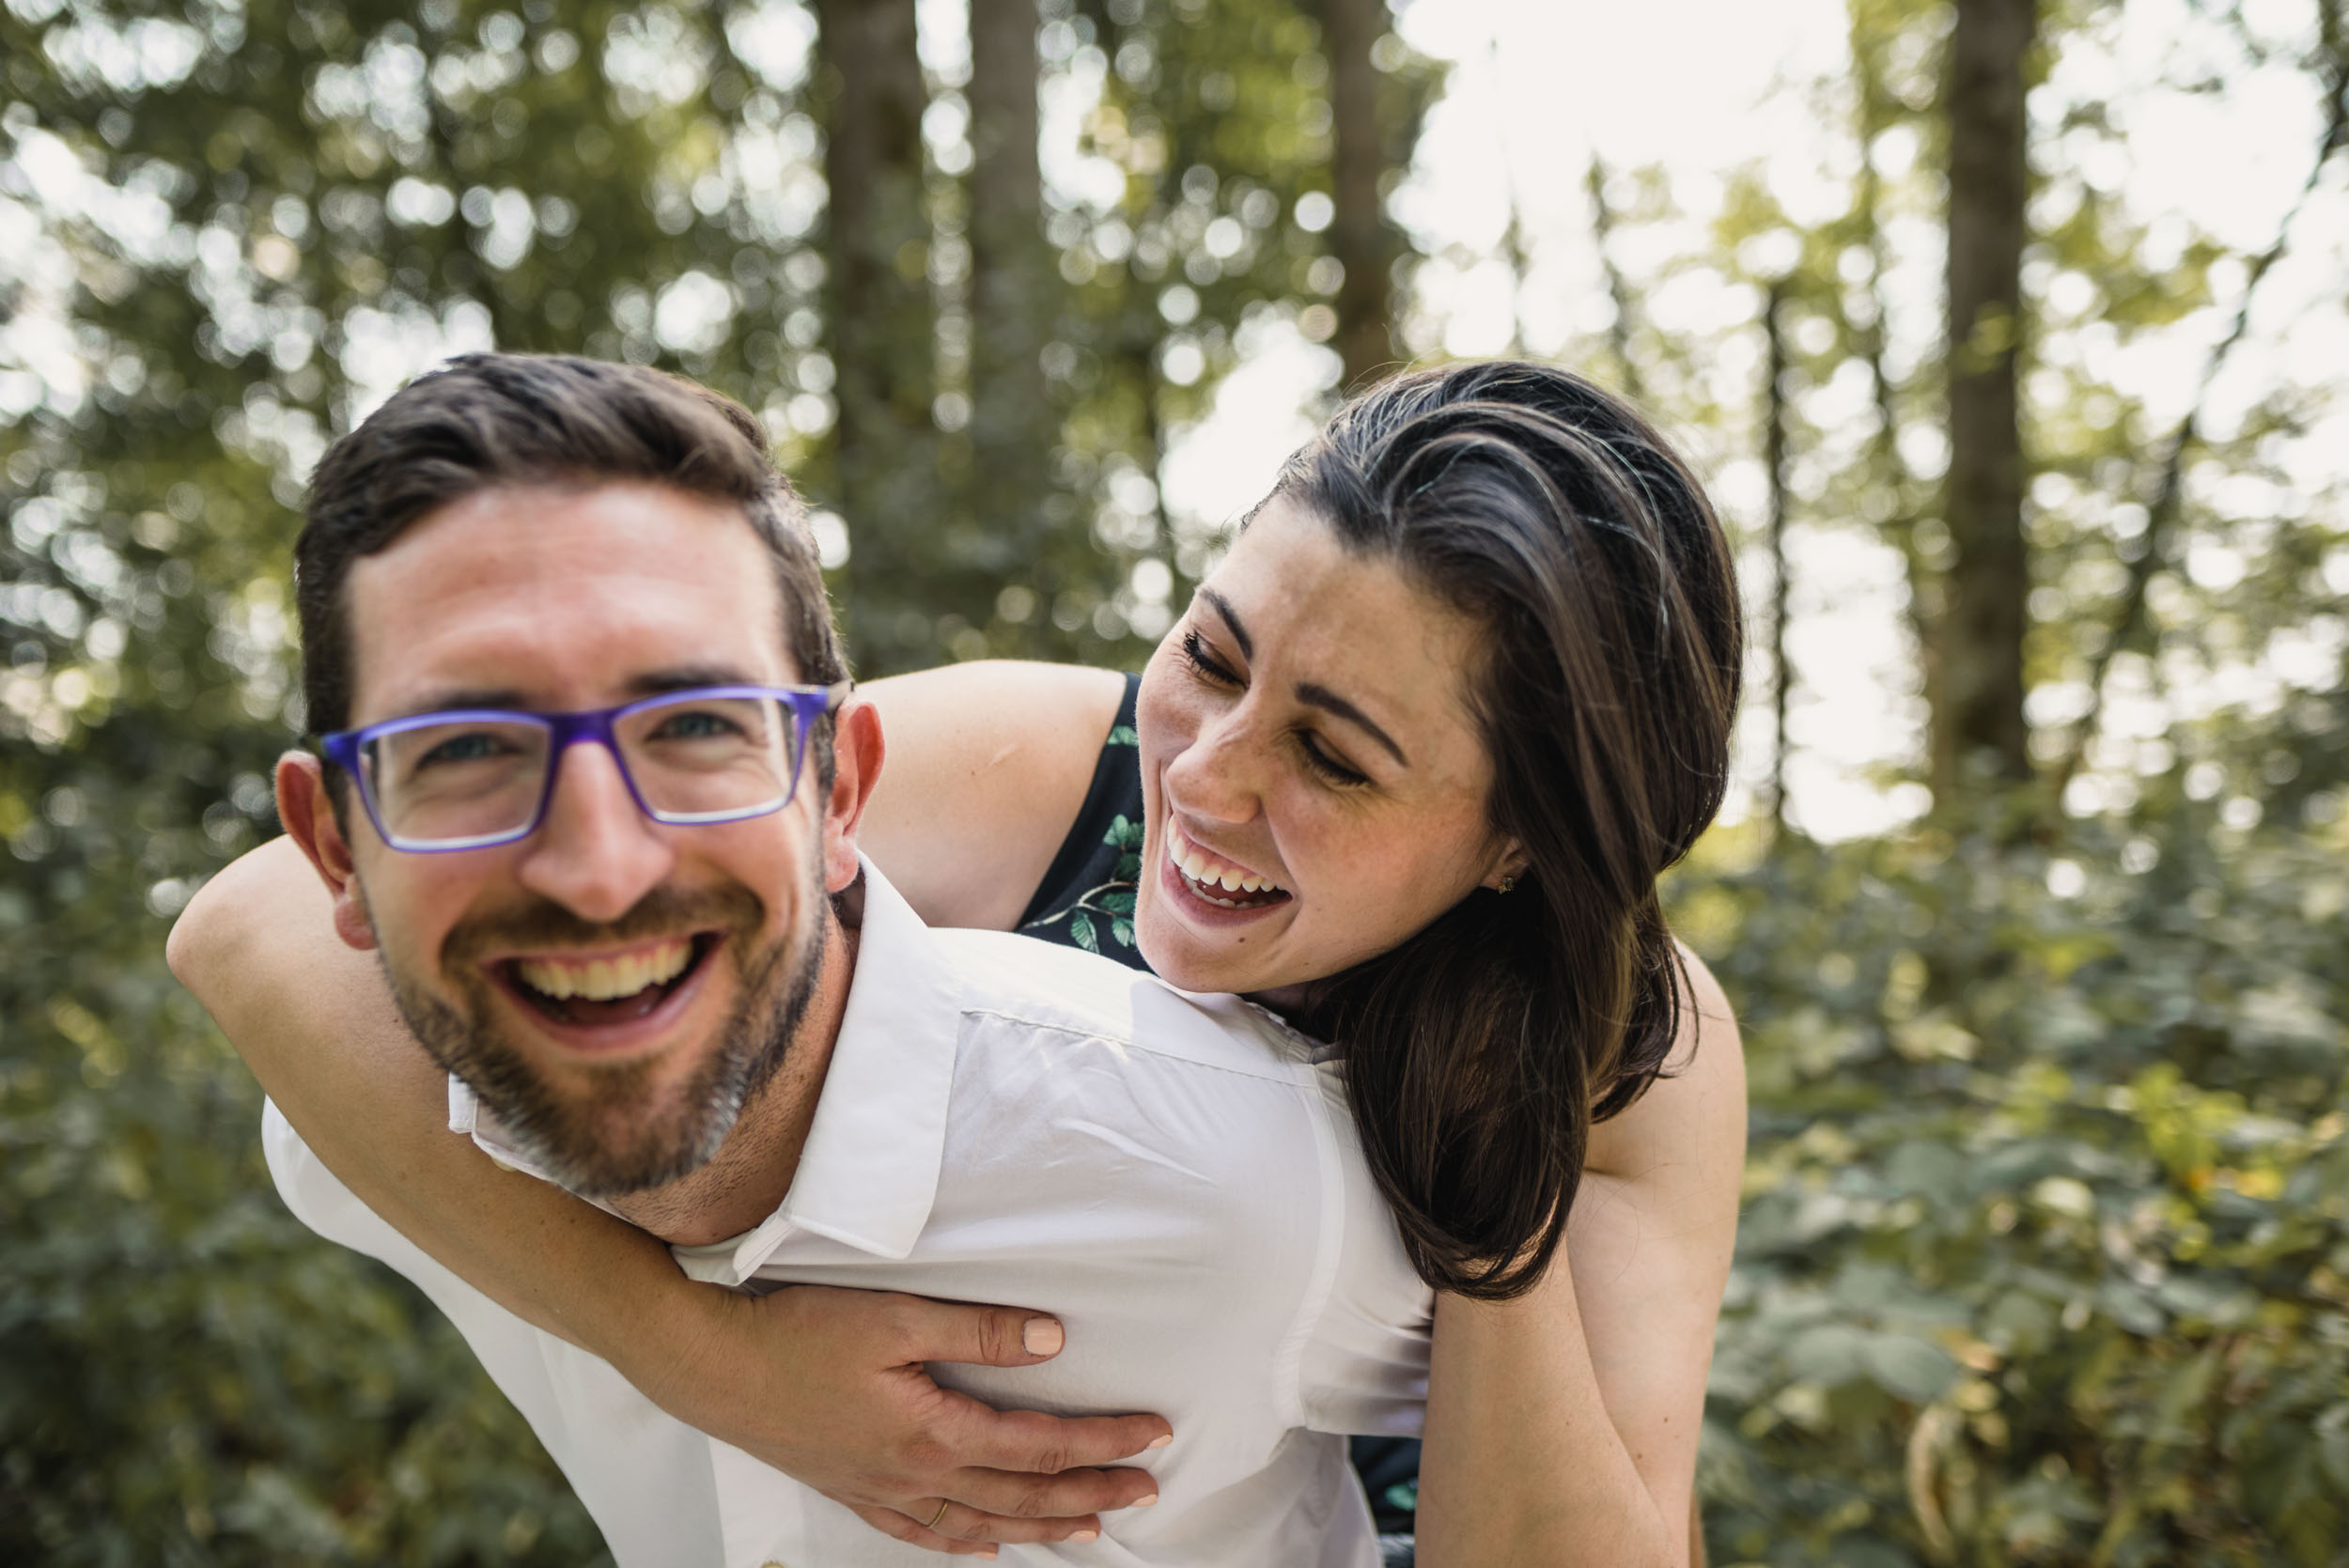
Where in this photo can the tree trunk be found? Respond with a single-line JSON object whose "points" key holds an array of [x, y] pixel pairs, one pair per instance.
{"points": [[1879, 109], [1014, 424], [882, 320], [1980, 725], [1619, 292], [1360, 237], [1774, 459]]}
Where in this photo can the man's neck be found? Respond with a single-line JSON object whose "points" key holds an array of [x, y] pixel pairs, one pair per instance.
{"points": [[746, 1180]]}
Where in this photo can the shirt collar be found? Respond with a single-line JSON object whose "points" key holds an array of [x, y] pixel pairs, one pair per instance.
{"points": [[868, 1175]]}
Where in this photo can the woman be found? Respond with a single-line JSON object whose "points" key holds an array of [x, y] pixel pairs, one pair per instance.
{"points": [[1408, 769]]}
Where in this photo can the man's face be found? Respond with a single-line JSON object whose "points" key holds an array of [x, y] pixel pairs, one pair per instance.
{"points": [[612, 988]]}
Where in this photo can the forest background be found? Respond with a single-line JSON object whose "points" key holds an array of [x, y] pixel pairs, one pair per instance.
{"points": [[2045, 1249]]}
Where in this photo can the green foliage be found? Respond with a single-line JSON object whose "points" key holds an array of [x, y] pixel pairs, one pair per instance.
{"points": [[2044, 1258], [2046, 1248], [239, 224], [186, 1374]]}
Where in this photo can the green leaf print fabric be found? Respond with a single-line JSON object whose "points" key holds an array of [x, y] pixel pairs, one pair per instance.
{"points": [[1087, 898]]}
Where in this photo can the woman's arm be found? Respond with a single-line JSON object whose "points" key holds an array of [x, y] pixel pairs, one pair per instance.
{"points": [[1562, 1427], [857, 1418], [989, 765]]}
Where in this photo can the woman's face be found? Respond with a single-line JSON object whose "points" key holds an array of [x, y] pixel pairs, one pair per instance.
{"points": [[1314, 782]]}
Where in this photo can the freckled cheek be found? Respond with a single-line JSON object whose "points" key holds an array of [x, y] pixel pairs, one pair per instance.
{"points": [[1323, 855], [1171, 756], [1365, 889], [1167, 723]]}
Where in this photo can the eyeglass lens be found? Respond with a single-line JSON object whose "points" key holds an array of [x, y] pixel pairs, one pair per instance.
{"points": [[693, 759]]}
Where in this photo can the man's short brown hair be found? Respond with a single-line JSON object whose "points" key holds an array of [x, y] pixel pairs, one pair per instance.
{"points": [[486, 421]]}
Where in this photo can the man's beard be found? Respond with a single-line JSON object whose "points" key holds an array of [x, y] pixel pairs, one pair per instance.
{"points": [[596, 1143]]}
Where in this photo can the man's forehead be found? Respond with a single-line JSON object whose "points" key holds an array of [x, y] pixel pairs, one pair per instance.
{"points": [[563, 596]]}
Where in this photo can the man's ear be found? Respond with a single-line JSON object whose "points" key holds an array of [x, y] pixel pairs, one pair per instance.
{"points": [[307, 810], [856, 765]]}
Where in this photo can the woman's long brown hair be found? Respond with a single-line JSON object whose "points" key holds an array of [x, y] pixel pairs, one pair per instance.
{"points": [[1480, 1052]]}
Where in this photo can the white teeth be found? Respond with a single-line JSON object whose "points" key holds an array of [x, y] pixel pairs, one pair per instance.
{"points": [[603, 979], [1205, 872]]}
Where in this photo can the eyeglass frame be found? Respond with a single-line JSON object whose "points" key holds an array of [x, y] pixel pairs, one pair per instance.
{"points": [[808, 706]]}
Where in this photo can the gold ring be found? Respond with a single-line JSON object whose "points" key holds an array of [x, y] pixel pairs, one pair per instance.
{"points": [[939, 1515]]}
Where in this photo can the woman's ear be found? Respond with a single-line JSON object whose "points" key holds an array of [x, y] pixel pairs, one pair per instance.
{"points": [[1507, 867], [305, 805]]}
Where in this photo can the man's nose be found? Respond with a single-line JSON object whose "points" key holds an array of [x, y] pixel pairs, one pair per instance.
{"points": [[596, 854]]}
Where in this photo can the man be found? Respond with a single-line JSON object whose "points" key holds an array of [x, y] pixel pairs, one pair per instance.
{"points": [[591, 789]]}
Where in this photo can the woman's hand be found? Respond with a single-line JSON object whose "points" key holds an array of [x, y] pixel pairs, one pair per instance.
{"points": [[831, 1387]]}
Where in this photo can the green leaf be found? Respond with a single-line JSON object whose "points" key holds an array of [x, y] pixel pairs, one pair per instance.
{"points": [[1119, 901], [1827, 1354], [1123, 833], [1128, 868], [1124, 736], [2332, 1448], [1931, 1170], [1123, 930], [1907, 1367], [1080, 928]]}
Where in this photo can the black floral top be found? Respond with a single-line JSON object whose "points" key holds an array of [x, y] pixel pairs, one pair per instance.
{"points": [[1086, 900]]}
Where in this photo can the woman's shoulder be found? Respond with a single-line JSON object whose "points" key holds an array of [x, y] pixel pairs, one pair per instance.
{"points": [[986, 765], [1692, 1119]]}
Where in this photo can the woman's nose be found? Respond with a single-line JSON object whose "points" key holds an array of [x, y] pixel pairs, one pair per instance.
{"points": [[1215, 777], [596, 853]]}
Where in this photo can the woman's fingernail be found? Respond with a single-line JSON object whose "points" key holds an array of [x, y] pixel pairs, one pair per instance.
{"points": [[1161, 1440], [1087, 1535], [1042, 1336], [1145, 1503]]}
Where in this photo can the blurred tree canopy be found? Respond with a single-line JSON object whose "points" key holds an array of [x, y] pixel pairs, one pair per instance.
{"points": [[2044, 1257], [231, 229]]}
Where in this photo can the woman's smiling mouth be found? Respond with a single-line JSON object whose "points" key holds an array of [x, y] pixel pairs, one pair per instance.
{"points": [[1212, 880]]}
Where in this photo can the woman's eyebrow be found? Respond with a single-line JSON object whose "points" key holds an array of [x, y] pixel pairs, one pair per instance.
{"points": [[1222, 607], [1328, 700], [1307, 691]]}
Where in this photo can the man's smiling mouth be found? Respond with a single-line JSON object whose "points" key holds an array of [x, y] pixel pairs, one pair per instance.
{"points": [[606, 988]]}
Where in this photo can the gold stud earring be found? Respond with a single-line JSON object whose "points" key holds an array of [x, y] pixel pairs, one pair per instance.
{"points": [[1507, 881]]}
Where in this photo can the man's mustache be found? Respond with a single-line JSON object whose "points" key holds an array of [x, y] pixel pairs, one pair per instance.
{"points": [[542, 924]]}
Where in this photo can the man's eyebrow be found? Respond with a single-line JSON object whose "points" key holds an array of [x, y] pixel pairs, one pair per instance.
{"points": [[505, 698], [650, 683], [1328, 700], [1222, 607], [681, 678]]}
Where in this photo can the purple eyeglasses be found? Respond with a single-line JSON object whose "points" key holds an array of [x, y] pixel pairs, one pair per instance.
{"points": [[474, 778]]}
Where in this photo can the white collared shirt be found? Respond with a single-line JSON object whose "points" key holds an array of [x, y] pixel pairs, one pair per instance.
{"points": [[1174, 1176]]}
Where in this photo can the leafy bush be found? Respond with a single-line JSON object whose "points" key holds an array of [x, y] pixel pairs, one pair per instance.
{"points": [[186, 1373], [2046, 1235]]}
